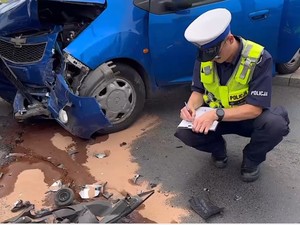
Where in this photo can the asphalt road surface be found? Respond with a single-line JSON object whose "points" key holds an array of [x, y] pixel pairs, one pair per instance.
{"points": [[180, 172]]}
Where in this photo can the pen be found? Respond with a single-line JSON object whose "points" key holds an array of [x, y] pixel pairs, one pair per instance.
{"points": [[188, 109]]}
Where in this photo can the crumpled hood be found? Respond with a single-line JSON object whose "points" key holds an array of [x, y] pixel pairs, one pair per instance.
{"points": [[19, 16]]}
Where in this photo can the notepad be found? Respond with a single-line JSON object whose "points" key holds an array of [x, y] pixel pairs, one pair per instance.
{"points": [[199, 112]]}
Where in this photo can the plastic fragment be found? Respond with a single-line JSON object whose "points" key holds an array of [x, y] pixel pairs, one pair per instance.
{"points": [[20, 205], [56, 186], [136, 177], [237, 198], [90, 191], [100, 155]]}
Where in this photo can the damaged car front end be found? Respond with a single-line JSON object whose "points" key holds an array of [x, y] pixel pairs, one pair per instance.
{"points": [[36, 75]]}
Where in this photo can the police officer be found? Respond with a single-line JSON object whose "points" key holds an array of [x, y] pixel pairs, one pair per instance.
{"points": [[234, 76]]}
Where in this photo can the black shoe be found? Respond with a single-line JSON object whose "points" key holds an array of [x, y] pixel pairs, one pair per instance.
{"points": [[249, 173], [219, 162]]}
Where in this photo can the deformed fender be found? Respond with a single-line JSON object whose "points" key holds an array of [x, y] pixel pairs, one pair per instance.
{"points": [[85, 116]]}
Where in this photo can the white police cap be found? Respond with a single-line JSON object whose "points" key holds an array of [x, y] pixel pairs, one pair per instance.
{"points": [[210, 28]]}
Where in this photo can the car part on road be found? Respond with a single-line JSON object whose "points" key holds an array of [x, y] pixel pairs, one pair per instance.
{"points": [[64, 197], [204, 207], [19, 205], [97, 211], [89, 191], [56, 186]]}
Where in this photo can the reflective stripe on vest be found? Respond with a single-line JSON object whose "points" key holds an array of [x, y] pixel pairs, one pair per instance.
{"points": [[237, 88]]}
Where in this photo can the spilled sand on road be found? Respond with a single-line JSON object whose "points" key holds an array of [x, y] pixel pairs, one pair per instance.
{"points": [[30, 185], [117, 169]]}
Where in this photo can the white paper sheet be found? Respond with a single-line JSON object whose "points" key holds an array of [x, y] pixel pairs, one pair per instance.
{"points": [[199, 112]]}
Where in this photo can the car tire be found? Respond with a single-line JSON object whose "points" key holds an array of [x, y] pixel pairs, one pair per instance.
{"points": [[121, 94], [291, 66], [64, 197]]}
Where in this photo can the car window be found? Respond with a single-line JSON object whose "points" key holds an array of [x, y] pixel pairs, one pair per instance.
{"points": [[169, 6]]}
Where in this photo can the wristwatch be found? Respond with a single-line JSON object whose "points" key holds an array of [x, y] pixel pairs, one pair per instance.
{"points": [[220, 113]]}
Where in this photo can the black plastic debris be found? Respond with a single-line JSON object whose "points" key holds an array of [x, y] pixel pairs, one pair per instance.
{"points": [[204, 207], [105, 194], [97, 211], [19, 205]]}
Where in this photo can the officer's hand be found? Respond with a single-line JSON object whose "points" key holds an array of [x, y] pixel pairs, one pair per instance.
{"points": [[202, 123], [187, 114]]}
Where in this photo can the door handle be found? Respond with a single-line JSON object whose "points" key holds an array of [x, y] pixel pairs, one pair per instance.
{"points": [[259, 15]]}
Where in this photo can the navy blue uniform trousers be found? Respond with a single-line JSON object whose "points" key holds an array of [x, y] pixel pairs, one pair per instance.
{"points": [[265, 131]]}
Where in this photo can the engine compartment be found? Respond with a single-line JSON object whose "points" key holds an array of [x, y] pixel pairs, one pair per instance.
{"points": [[73, 16]]}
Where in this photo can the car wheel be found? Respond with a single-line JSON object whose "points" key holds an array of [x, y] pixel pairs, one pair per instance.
{"points": [[120, 91], [64, 197], [291, 66]]}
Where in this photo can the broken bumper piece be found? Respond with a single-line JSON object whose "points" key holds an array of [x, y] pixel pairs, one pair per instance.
{"points": [[81, 116], [98, 211]]}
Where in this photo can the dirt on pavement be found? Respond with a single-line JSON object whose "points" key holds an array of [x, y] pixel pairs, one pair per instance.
{"points": [[38, 154]]}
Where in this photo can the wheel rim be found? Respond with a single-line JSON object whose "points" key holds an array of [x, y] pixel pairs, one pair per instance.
{"points": [[117, 99], [63, 196]]}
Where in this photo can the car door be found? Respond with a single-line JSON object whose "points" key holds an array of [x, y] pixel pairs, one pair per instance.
{"points": [[173, 57]]}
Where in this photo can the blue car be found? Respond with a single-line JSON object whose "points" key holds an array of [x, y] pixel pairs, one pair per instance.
{"points": [[90, 64]]}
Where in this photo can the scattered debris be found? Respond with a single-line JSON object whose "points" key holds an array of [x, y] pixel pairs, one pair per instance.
{"points": [[72, 151], [107, 195], [20, 205], [56, 186], [18, 140], [135, 178], [64, 197], [104, 193], [153, 185], [15, 154], [123, 143], [100, 155], [97, 211], [90, 191], [204, 207], [61, 166], [237, 198]]}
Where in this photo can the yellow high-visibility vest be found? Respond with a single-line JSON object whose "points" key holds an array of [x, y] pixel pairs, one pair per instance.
{"points": [[237, 88]]}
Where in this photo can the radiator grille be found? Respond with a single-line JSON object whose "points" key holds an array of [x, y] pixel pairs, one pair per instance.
{"points": [[28, 53]]}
